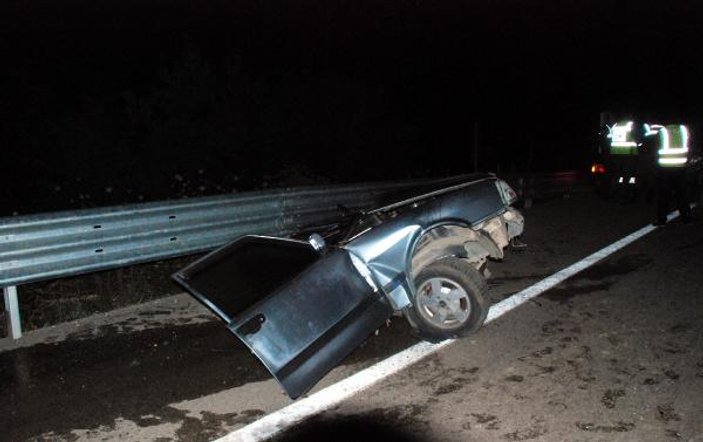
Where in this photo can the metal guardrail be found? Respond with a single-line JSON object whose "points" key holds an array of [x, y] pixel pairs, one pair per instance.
{"points": [[46, 246], [35, 248]]}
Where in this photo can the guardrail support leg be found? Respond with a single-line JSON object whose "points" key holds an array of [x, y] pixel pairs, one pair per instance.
{"points": [[12, 312]]}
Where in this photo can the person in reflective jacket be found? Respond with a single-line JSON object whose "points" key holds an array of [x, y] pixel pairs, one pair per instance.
{"points": [[671, 159], [624, 140]]}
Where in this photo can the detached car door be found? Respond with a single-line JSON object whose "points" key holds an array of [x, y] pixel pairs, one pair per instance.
{"points": [[298, 310]]}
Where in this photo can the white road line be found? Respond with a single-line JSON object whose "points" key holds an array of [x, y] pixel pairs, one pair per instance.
{"points": [[329, 397]]}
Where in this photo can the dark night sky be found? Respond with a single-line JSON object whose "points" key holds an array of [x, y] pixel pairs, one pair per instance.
{"points": [[116, 101]]}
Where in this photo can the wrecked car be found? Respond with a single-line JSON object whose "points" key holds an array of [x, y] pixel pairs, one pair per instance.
{"points": [[302, 304]]}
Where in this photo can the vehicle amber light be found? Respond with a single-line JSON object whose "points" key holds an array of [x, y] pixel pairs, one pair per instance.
{"points": [[597, 168]]}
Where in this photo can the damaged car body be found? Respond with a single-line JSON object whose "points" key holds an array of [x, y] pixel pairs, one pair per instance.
{"points": [[303, 304]]}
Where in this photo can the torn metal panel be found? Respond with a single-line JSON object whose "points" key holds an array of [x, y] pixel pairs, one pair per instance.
{"points": [[514, 222], [384, 250], [446, 241]]}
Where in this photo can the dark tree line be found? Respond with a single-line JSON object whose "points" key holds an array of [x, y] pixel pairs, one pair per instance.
{"points": [[129, 101]]}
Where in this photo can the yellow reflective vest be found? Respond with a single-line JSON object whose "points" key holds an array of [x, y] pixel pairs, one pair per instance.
{"points": [[622, 139], [673, 146]]}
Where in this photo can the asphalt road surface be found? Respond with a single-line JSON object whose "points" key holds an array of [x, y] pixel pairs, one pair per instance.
{"points": [[614, 353]]}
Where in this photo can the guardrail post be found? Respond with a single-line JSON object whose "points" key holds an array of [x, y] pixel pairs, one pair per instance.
{"points": [[12, 312]]}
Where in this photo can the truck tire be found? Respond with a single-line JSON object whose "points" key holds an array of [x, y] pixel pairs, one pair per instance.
{"points": [[448, 301]]}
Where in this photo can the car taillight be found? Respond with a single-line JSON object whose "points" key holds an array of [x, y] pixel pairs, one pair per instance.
{"points": [[597, 169], [507, 192]]}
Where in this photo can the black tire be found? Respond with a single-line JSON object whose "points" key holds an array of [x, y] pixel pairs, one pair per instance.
{"points": [[457, 311]]}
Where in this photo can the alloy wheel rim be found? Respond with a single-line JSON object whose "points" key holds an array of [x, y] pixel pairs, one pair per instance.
{"points": [[443, 303]]}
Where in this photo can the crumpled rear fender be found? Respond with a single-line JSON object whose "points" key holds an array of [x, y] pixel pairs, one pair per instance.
{"points": [[388, 249]]}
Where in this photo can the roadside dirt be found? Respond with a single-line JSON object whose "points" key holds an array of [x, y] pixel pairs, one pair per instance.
{"points": [[47, 303]]}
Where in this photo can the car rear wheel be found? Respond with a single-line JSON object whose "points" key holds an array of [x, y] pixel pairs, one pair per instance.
{"points": [[448, 301]]}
